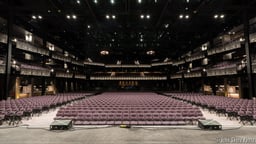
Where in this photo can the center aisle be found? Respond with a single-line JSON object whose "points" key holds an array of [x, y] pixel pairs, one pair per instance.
{"points": [[42, 121]]}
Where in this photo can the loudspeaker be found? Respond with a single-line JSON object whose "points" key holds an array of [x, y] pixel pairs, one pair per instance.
{"points": [[61, 125], [209, 124]]}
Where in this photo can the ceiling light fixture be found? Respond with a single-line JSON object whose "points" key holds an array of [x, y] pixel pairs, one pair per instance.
{"points": [[107, 16], [104, 52], [139, 1], [151, 52], [216, 16], [166, 25], [112, 1], [148, 16], [222, 16], [113, 16], [68, 16], [142, 16], [88, 26], [40, 17], [187, 16], [74, 16], [181, 16], [95, 1], [33, 17], [78, 1]]}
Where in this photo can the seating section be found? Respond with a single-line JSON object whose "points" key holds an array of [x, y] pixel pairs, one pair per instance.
{"points": [[130, 109], [242, 109], [12, 111]]}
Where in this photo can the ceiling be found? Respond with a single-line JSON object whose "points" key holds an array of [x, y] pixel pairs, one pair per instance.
{"points": [[128, 36]]}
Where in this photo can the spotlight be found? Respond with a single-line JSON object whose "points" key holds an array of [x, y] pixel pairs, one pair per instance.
{"points": [[148, 16], [33, 17], [74, 16], [181, 16]]}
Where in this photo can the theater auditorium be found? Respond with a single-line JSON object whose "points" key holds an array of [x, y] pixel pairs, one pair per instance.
{"points": [[127, 71]]}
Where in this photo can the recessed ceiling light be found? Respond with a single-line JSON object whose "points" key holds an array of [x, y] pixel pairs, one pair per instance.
{"points": [[40, 17], [222, 16], [139, 1], [181, 16], [187, 1], [113, 17], [107, 16], [33, 17], [68, 16], [112, 1], [95, 1], [142, 16], [49, 11], [88, 26], [166, 25], [113, 40], [78, 1], [187, 16], [74, 16], [148, 16], [216, 16]]}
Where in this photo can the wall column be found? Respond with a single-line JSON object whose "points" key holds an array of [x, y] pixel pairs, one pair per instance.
{"points": [[248, 55], [9, 51]]}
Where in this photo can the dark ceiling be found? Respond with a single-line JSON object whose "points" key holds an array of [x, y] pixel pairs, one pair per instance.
{"points": [[128, 37]]}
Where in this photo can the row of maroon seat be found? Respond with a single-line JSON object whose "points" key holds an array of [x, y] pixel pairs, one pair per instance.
{"points": [[242, 109], [15, 109], [130, 108]]}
